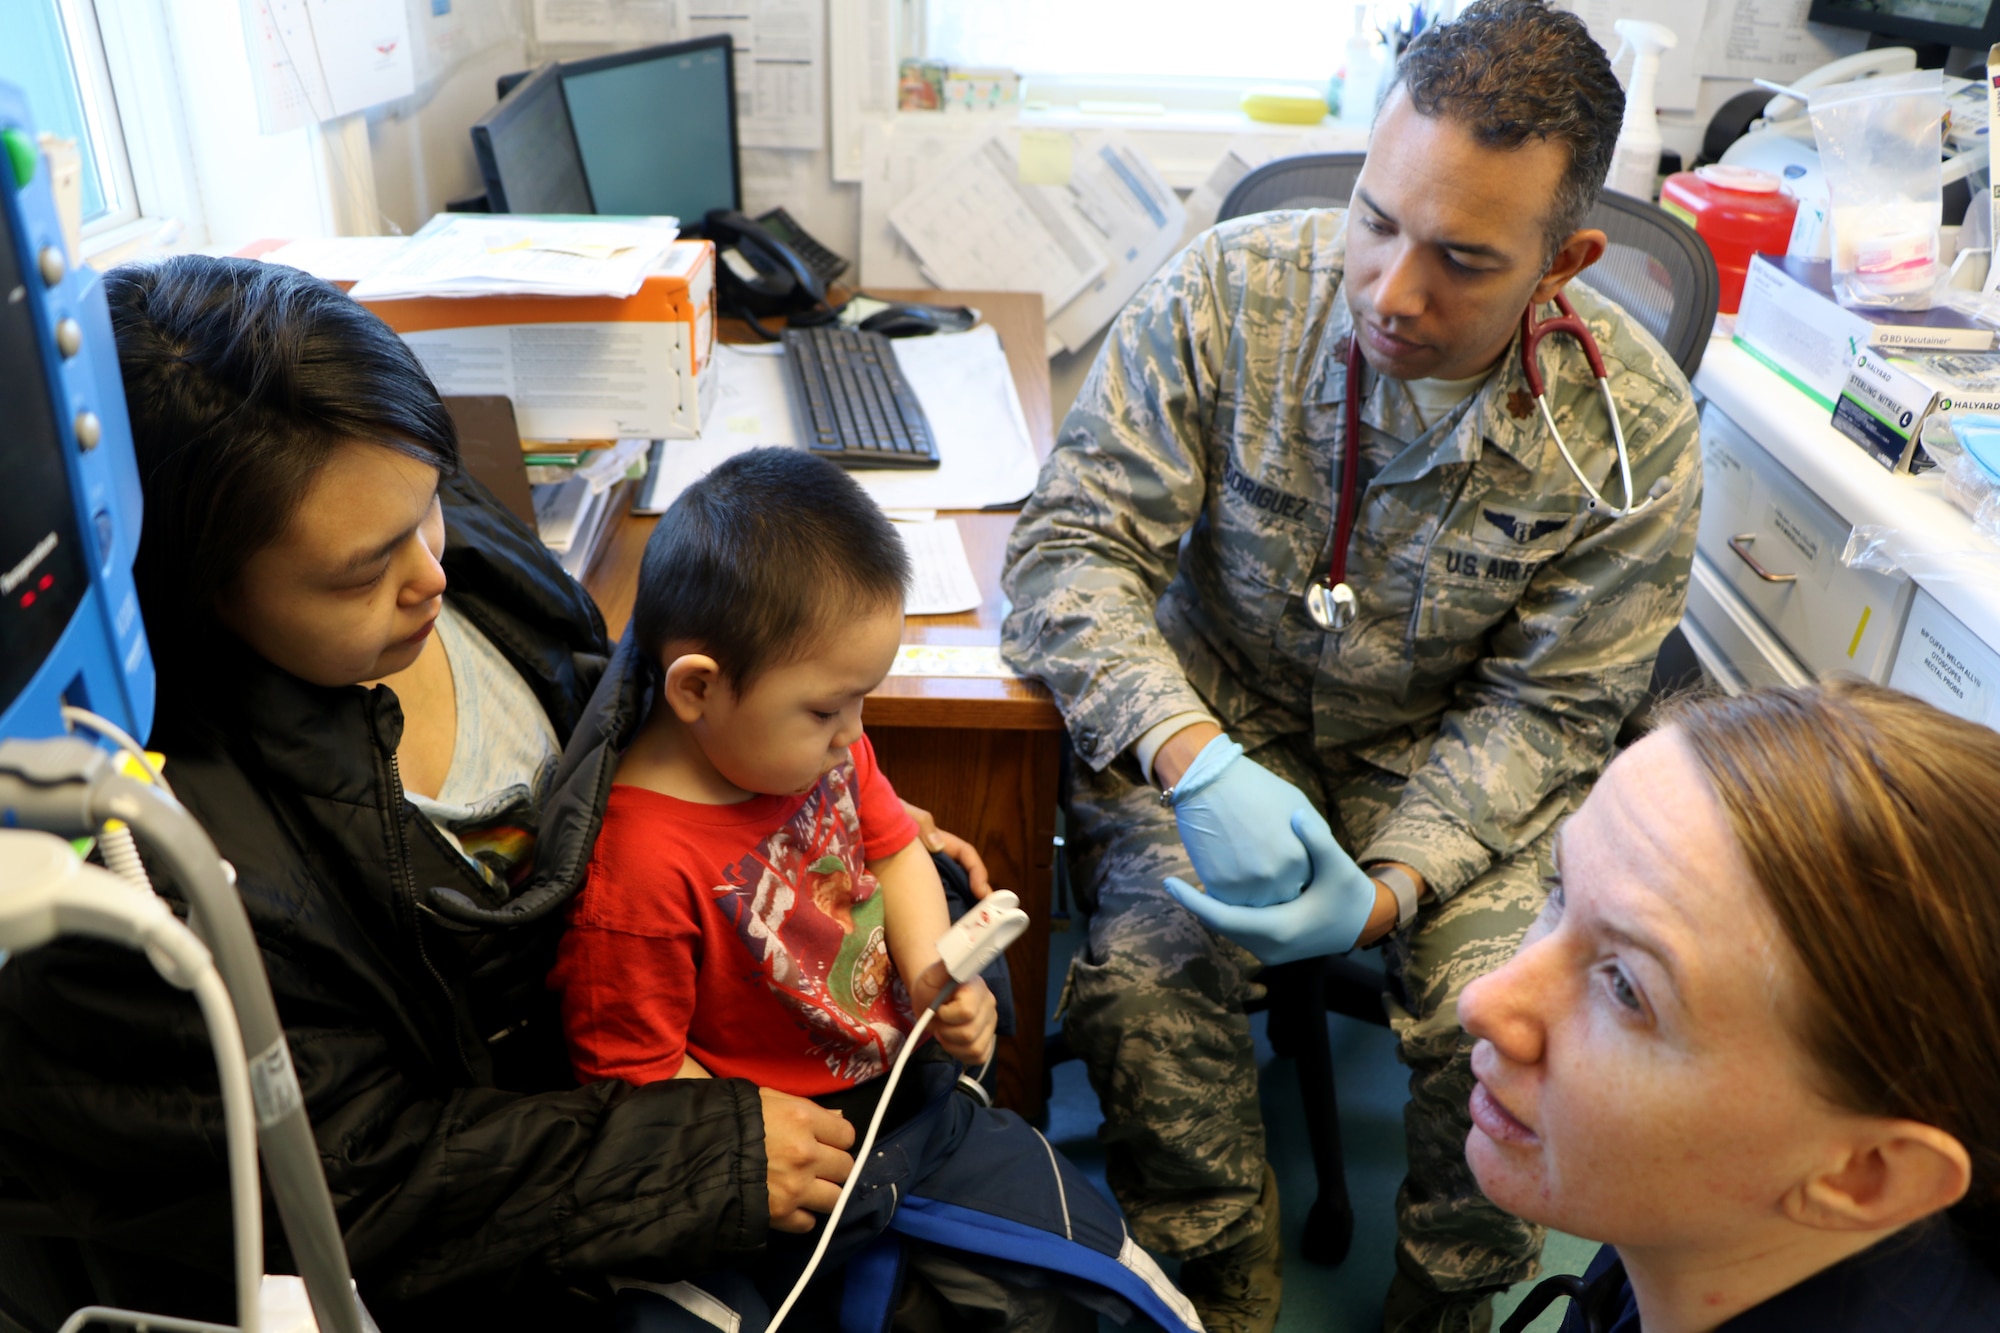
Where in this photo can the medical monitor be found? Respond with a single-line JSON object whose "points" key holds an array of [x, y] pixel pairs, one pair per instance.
{"points": [[70, 629], [657, 128], [527, 152], [1968, 23]]}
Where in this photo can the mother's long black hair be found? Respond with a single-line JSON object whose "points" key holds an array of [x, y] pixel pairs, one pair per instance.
{"points": [[242, 378]]}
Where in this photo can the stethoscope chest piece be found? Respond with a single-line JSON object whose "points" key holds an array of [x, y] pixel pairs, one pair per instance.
{"points": [[1331, 605]]}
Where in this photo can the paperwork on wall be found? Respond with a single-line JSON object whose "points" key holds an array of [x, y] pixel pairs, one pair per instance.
{"points": [[1770, 39], [861, 76], [985, 457], [313, 60], [1679, 85], [619, 22], [780, 49], [1080, 217], [461, 254]]}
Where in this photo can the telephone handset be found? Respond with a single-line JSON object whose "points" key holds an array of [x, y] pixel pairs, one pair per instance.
{"points": [[760, 274]]}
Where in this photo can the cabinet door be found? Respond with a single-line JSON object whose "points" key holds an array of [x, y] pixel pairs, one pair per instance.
{"points": [[1944, 663], [1777, 546]]}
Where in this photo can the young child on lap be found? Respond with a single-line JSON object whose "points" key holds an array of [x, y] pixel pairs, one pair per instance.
{"points": [[759, 905]]}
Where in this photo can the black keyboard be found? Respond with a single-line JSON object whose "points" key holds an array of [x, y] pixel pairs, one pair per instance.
{"points": [[854, 406]]}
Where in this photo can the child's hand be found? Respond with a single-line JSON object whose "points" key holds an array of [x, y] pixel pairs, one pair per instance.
{"points": [[964, 1025]]}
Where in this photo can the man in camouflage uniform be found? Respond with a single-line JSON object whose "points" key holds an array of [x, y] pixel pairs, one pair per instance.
{"points": [[1504, 631]]}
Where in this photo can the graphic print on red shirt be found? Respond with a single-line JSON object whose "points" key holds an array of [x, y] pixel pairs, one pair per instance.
{"points": [[749, 937], [809, 913]]}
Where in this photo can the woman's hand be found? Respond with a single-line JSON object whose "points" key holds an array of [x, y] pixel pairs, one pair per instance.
{"points": [[965, 1023], [953, 846], [805, 1158]]}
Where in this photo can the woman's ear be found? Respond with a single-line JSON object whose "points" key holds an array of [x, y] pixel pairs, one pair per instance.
{"points": [[1898, 1172], [689, 685]]}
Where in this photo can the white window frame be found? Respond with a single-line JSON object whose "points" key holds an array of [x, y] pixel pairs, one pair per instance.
{"points": [[106, 146], [1185, 124], [123, 64]]}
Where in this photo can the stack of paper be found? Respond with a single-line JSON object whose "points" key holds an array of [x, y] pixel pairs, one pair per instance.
{"points": [[459, 254], [572, 514]]}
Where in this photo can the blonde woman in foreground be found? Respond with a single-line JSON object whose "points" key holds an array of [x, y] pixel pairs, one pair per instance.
{"points": [[1753, 1042]]}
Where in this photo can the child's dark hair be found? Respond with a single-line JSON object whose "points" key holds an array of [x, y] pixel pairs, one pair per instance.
{"points": [[760, 558], [242, 378]]}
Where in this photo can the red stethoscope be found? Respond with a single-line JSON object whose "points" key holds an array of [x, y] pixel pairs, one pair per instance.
{"points": [[1330, 600]]}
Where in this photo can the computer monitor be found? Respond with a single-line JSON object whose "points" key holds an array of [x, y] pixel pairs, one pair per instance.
{"points": [[70, 628], [1969, 23], [527, 152], [656, 128]]}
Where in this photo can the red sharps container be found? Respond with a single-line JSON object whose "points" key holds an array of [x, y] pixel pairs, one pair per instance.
{"points": [[1739, 212]]}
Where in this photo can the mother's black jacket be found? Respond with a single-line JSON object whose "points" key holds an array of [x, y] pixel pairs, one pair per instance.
{"points": [[472, 1178]]}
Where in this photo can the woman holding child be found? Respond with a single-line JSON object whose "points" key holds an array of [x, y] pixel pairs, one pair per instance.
{"points": [[303, 520]]}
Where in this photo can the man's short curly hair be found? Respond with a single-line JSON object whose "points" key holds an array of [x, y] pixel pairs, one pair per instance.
{"points": [[1514, 70]]}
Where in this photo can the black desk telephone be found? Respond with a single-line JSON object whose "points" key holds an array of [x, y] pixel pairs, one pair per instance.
{"points": [[770, 266]]}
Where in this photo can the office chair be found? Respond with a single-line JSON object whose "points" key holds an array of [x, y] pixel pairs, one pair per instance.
{"points": [[1655, 266], [1661, 272], [1310, 180]]}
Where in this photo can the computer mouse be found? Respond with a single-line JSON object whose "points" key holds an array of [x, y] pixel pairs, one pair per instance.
{"points": [[903, 321]]}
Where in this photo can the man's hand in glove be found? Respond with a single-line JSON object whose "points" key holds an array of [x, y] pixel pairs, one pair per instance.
{"points": [[1327, 918], [1242, 825]]}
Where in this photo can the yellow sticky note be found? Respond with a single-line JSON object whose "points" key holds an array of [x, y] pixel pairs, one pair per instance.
{"points": [[1044, 157]]}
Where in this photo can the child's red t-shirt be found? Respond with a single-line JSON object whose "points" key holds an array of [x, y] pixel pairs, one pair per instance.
{"points": [[749, 936]]}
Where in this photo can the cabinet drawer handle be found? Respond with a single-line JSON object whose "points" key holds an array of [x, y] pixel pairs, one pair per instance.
{"points": [[1741, 545]]}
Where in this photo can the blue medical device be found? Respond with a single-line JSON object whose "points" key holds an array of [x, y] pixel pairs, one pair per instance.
{"points": [[70, 629]]}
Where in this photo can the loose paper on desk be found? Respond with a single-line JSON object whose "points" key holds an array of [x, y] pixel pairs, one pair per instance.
{"points": [[975, 661], [313, 60], [985, 457], [339, 258], [458, 254], [780, 51], [941, 581]]}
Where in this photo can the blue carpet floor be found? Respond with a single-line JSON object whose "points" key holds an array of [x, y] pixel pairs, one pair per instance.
{"points": [[1373, 1088]]}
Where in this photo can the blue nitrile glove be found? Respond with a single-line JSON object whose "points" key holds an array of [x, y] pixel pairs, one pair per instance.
{"points": [[1237, 821], [1327, 918]]}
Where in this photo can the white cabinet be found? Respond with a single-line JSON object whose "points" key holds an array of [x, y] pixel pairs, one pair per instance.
{"points": [[1942, 661], [1777, 546], [1770, 601]]}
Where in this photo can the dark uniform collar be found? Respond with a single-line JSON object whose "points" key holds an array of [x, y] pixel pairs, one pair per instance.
{"points": [[1926, 1279]]}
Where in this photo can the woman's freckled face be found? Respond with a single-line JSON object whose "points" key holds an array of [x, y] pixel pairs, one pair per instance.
{"points": [[1635, 1082]]}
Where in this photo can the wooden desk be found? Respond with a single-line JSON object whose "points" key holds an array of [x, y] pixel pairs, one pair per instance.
{"points": [[980, 755]]}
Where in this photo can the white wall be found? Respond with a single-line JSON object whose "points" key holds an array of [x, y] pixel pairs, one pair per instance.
{"points": [[423, 154], [250, 185]]}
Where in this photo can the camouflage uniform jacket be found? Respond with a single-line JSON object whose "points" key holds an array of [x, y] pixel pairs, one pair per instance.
{"points": [[1503, 633]]}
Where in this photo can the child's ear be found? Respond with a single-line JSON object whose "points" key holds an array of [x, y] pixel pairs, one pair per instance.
{"points": [[690, 684]]}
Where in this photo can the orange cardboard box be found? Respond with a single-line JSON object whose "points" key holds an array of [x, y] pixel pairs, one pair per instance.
{"points": [[580, 368]]}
